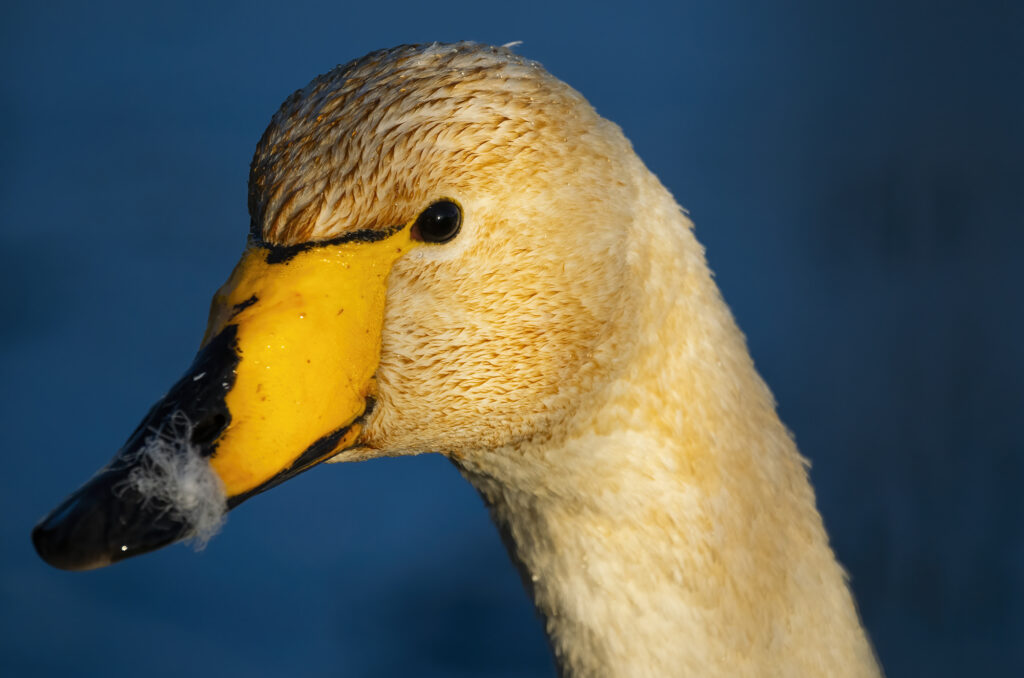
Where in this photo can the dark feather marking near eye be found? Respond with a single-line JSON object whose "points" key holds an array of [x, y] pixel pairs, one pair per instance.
{"points": [[282, 254]]}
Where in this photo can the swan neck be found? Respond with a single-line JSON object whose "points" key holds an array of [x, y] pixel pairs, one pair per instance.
{"points": [[669, 528]]}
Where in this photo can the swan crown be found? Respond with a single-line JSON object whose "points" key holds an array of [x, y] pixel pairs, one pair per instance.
{"points": [[365, 144]]}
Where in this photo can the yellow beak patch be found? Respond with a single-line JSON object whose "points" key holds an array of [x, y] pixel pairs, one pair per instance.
{"points": [[308, 336]]}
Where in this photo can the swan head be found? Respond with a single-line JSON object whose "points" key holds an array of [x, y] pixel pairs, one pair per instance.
{"points": [[439, 261]]}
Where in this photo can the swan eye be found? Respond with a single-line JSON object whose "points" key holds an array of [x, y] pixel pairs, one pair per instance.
{"points": [[438, 223]]}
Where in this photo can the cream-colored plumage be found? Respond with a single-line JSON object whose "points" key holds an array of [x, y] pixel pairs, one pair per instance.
{"points": [[570, 353]]}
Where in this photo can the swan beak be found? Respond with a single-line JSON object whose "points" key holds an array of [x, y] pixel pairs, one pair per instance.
{"points": [[282, 381]]}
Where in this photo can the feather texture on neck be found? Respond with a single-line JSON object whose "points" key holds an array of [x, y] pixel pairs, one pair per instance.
{"points": [[668, 528]]}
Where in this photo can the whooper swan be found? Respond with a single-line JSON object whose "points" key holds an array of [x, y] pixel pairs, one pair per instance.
{"points": [[452, 252]]}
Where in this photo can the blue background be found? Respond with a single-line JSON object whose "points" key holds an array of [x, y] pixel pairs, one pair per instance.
{"points": [[855, 173]]}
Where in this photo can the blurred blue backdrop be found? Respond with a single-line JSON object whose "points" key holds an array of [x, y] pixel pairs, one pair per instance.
{"points": [[856, 175]]}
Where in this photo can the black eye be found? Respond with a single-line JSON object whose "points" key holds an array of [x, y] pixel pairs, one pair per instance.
{"points": [[438, 223]]}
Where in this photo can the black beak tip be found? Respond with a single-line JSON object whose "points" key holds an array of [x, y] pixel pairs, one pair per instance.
{"points": [[106, 520], [55, 541], [98, 526]]}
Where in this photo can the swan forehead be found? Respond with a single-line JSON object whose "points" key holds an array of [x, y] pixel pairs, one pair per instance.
{"points": [[367, 144]]}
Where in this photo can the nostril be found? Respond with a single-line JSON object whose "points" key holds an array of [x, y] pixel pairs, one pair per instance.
{"points": [[208, 428]]}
